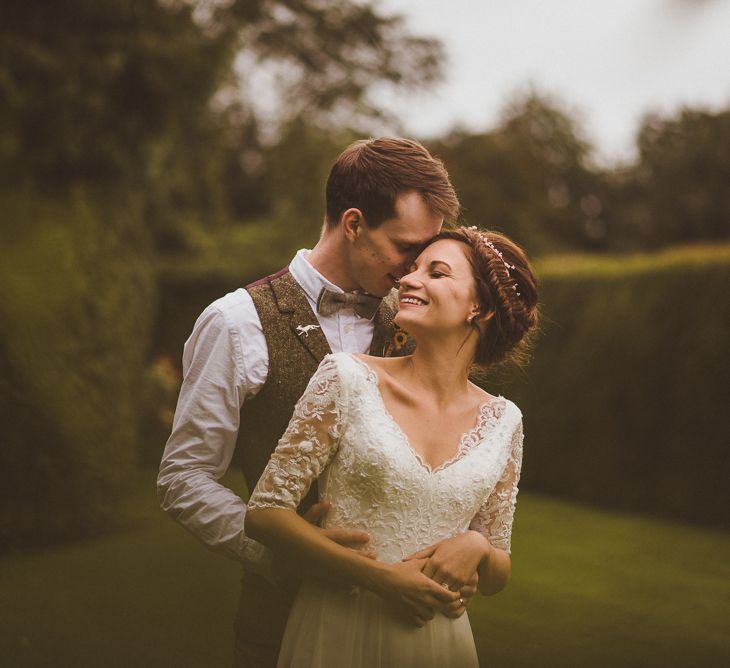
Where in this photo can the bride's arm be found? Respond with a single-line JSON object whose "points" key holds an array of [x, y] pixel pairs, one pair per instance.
{"points": [[306, 448], [402, 585], [494, 521]]}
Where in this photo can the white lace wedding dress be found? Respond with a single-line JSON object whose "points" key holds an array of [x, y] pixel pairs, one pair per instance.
{"points": [[342, 434]]}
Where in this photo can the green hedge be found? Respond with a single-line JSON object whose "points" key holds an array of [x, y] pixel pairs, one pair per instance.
{"points": [[626, 398], [238, 257], [75, 311], [626, 394]]}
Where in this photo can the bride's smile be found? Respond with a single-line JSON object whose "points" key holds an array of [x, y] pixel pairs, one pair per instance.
{"points": [[438, 293]]}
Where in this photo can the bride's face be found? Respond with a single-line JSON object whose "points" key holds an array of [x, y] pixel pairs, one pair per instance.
{"points": [[438, 294]]}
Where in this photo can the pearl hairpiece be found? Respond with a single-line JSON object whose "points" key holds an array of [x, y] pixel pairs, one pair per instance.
{"points": [[483, 237]]}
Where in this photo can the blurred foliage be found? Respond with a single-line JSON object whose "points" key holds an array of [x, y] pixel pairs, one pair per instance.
{"points": [[529, 177], [75, 308], [160, 385], [533, 178], [626, 396], [111, 94], [677, 192], [161, 98], [221, 112]]}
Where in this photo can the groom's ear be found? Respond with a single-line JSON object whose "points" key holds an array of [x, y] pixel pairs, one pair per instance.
{"points": [[352, 222]]}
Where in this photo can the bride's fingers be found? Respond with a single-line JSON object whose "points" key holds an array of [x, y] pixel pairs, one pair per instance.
{"points": [[424, 612], [417, 620], [430, 569], [468, 591], [425, 553], [455, 608], [417, 562], [454, 611], [440, 578], [443, 595]]}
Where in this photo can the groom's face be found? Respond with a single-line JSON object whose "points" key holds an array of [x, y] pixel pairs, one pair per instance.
{"points": [[382, 255]]}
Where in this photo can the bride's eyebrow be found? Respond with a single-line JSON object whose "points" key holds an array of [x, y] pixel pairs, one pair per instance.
{"points": [[446, 264]]}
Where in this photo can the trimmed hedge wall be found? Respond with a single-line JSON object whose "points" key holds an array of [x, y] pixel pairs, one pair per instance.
{"points": [[626, 394], [187, 286], [76, 305], [626, 398]]}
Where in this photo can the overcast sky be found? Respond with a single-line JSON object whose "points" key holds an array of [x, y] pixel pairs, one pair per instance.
{"points": [[609, 61]]}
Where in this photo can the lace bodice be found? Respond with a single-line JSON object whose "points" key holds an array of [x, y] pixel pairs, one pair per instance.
{"points": [[342, 434]]}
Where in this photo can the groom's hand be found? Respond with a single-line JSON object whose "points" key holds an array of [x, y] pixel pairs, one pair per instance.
{"points": [[285, 569], [355, 540]]}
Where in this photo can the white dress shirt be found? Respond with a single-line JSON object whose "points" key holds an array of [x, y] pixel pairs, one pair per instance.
{"points": [[226, 362]]}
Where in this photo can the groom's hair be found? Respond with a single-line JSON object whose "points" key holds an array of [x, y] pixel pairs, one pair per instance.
{"points": [[370, 174]]}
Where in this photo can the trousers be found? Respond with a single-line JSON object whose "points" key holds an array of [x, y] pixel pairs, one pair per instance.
{"points": [[263, 610]]}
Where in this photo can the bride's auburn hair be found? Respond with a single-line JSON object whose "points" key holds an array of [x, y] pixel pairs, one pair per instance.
{"points": [[506, 288]]}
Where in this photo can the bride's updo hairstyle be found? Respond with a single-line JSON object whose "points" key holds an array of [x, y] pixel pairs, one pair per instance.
{"points": [[506, 286]]}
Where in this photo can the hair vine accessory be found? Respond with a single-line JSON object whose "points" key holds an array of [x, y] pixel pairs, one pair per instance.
{"points": [[485, 240]]}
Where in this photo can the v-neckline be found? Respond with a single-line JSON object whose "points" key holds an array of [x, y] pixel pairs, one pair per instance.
{"points": [[481, 417]]}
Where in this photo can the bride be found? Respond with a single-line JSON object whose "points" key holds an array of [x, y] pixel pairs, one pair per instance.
{"points": [[409, 450]]}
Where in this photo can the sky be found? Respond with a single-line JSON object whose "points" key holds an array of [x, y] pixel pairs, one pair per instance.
{"points": [[609, 63]]}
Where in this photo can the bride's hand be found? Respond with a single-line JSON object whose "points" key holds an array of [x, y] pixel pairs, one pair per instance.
{"points": [[453, 563], [411, 593]]}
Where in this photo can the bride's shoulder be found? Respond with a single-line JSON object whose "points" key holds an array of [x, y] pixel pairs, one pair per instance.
{"points": [[512, 409], [382, 367], [503, 407], [510, 413], [353, 364]]}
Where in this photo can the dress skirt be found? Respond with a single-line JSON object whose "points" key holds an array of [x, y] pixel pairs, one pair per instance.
{"points": [[335, 627]]}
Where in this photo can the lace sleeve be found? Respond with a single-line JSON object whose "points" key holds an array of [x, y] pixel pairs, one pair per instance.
{"points": [[494, 519], [308, 444]]}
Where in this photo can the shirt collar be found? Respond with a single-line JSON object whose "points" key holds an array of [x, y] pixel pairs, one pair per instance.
{"points": [[308, 277]]}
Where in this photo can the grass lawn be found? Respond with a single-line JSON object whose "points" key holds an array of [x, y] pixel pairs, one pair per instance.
{"points": [[589, 588]]}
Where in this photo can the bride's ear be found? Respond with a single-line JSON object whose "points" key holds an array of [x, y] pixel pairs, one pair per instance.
{"points": [[479, 318]]}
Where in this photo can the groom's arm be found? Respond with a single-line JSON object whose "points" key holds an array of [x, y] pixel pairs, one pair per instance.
{"points": [[217, 379], [219, 374]]}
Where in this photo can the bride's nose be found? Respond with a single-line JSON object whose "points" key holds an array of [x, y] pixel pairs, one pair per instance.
{"points": [[409, 280]]}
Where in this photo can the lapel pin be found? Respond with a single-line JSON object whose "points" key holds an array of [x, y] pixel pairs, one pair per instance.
{"points": [[305, 329]]}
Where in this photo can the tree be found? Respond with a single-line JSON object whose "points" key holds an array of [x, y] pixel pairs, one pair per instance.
{"points": [[529, 177], [683, 175], [159, 98]]}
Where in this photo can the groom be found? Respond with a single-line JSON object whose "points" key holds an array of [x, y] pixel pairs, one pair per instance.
{"points": [[253, 351]]}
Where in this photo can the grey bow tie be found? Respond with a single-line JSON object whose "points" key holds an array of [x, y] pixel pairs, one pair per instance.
{"points": [[330, 302]]}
